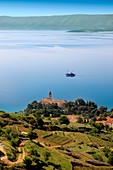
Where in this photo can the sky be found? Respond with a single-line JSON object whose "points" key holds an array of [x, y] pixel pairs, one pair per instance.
{"points": [[54, 7]]}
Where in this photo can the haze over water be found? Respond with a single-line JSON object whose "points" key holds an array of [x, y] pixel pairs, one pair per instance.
{"points": [[32, 63]]}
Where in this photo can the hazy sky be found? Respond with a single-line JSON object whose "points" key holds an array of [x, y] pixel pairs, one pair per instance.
{"points": [[54, 7]]}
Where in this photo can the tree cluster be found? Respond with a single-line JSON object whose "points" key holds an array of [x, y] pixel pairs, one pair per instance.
{"points": [[87, 109]]}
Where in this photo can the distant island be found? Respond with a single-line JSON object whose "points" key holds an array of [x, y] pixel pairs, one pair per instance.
{"points": [[73, 23]]}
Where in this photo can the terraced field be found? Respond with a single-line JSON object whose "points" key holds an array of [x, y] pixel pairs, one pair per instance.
{"points": [[59, 150]]}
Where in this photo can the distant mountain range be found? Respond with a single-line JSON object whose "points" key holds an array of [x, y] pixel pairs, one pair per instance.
{"points": [[75, 23]]}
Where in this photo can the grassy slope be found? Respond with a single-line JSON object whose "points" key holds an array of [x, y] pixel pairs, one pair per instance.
{"points": [[56, 143]]}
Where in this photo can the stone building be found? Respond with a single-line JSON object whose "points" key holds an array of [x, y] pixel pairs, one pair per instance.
{"points": [[50, 100]]}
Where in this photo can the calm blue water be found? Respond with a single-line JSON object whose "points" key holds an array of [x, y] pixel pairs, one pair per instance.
{"points": [[32, 63]]}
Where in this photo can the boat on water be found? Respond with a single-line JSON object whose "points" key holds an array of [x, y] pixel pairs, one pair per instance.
{"points": [[70, 74]]}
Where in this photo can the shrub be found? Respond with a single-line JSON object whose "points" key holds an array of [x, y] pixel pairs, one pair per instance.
{"points": [[5, 115], [2, 124], [27, 161], [94, 131], [80, 120], [32, 135], [106, 151], [36, 159], [34, 152], [1, 132], [47, 155], [64, 120], [11, 156], [97, 157], [14, 141], [110, 159]]}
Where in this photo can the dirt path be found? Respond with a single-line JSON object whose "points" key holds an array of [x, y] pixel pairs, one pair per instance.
{"points": [[19, 160], [20, 157], [3, 151]]}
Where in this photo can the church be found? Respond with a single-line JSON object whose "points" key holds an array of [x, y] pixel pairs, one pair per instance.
{"points": [[50, 100]]}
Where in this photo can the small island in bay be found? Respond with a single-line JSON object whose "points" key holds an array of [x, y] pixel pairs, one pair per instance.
{"points": [[57, 134]]}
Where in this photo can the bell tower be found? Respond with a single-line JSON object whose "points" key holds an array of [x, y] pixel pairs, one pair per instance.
{"points": [[50, 96]]}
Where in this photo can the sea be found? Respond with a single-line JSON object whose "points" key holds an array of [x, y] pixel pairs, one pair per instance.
{"points": [[33, 63]]}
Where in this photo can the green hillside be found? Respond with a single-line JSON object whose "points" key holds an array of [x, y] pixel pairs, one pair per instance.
{"points": [[45, 138], [66, 22]]}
